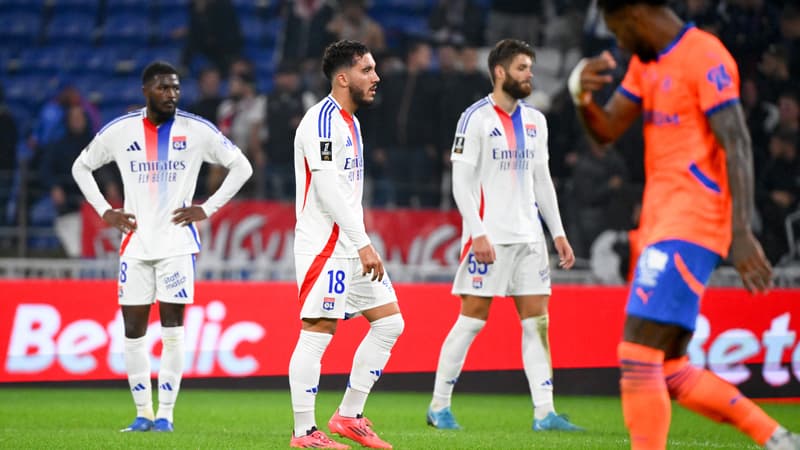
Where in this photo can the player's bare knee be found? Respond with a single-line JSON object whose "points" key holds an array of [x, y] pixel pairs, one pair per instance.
{"points": [[171, 314], [320, 325], [475, 307]]}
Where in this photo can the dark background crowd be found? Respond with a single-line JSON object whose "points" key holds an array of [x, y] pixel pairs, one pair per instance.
{"points": [[252, 67]]}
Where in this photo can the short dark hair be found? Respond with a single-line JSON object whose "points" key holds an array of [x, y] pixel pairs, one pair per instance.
{"points": [[505, 50], [157, 68], [610, 6], [341, 54]]}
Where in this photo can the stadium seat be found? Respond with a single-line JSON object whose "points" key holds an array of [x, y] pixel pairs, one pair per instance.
{"points": [[75, 6], [168, 22], [72, 27], [21, 6], [126, 28], [53, 60], [103, 60], [129, 7], [20, 28], [252, 30], [418, 7]]}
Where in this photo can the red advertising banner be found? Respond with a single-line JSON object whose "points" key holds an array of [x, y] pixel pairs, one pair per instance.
{"points": [[72, 330], [263, 231]]}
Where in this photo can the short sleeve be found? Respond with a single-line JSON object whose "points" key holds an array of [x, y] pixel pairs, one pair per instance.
{"points": [[631, 86], [318, 143], [467, 143], [219, 149], [96, 154], [716, 77]]}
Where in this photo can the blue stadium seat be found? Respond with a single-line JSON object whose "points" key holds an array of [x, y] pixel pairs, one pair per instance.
{"points": [[75, 6], [131, 7], [167, 6], [252, 30], [272, 30], [22, 113], [121, 90], [103, 60], [24, 6], [169, 21], [126, 28], [20, 28], [30, 90], [418, 7], [53, 60], [72, 27]]}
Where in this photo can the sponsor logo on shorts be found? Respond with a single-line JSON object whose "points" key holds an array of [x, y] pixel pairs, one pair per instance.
{"points": [[477, 282], [651, 264], [174, 280], [328, 303], [544, 274]]}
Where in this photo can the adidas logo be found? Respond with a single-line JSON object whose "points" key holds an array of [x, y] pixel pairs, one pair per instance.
{"points": [[134, 147], [495, 132], [166, 386], [181, 294], [139, 387], [349, 143], [548, 382], [376, 372], [453, 381], [313, 390]]}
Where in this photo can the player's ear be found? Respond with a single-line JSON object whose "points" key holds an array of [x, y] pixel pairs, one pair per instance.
{"points": [[341, 79]]}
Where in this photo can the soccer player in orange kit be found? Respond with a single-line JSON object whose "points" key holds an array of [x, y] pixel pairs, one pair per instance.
{"points": [[697, 206]]}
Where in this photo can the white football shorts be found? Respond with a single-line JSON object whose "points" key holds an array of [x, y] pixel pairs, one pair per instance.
{"points": [[168, 280], [334, 288], [520, 269]]}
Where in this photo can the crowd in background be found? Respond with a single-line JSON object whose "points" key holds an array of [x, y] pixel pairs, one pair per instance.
{"points": [[431, 70]]}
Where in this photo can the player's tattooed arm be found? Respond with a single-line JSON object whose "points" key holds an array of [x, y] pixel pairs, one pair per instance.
{"points": [[730, 129]]}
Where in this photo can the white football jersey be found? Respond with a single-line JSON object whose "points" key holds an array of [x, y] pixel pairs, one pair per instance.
{"points": [[159, 168], [503, 148], [328, 138]]}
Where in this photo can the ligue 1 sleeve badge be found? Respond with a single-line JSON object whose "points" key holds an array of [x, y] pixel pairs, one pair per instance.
{"points": [[179, 142]]}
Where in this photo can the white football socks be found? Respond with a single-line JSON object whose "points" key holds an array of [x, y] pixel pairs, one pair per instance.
{"points": [[451, 358], [137, 364], [304, 370], [171, 371], [368, 363], [536, 361]]}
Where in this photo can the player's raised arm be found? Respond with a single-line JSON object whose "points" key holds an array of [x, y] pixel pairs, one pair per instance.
{"points": [[604, 124], [747, 256]]}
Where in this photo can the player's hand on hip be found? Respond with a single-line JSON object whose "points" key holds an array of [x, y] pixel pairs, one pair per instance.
{"points": [[749, 260], [185, 216], [483, 250], [588, 76], [371, 262], [566, 257], [119, 219]]}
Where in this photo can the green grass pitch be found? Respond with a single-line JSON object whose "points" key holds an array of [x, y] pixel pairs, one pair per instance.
{"points": [[49, 418]]}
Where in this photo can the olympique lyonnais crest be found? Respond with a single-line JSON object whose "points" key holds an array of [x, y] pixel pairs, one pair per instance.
{"points": [[179, 142], [328, 303], [477, 282], [530, 130]]}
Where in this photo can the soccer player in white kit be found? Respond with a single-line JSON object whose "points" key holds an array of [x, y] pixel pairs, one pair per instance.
{"points": [[501, 183], [339, 273], [158, 150]]}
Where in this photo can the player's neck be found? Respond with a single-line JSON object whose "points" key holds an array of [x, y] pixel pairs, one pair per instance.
{"points": [[665, 28], [344, 100], [504, 101], [156, 118]]}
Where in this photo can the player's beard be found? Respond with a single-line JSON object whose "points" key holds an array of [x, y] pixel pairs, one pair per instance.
{"points": [[359, 96], [163, 114], [516, 89], [645, 54]]}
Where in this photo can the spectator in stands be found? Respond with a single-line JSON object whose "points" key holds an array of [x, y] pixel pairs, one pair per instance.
{"points": [[409, 122], [210, 97], [55, 171], [773, 73], [8, 152], [790, 29], [457, 21], [8, 142], [305, 33], [788, 112], [779, 192], [761, 116], [516, 19], [599, 182], [284, 112], [353, 23], [51, 123], [214, 32], [241, 117], [462, 86]]}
